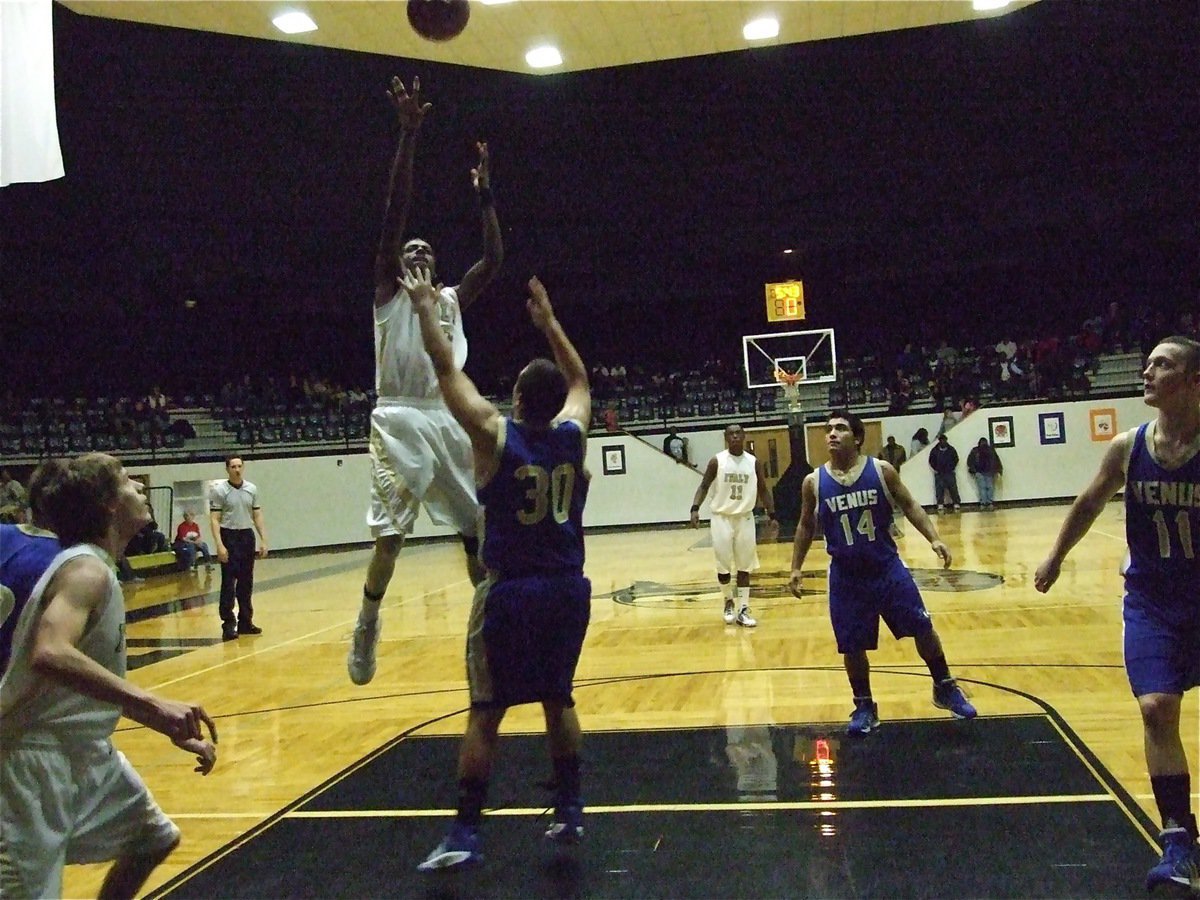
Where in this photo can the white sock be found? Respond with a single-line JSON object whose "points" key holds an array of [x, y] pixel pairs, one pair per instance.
{"points": [[727, 591], [743, 595]]}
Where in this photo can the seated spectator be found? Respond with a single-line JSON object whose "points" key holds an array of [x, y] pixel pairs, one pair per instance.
{"points": [[157, 402], [183, 428], [676, 447], [1114, 328], [148, 540], [610, 418], [188, 544], [946, 355], [899, 393], [907, 361], [125, 573], [14, 502]]}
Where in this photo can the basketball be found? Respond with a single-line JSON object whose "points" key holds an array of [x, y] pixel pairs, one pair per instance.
{"points": [[438, 20]]}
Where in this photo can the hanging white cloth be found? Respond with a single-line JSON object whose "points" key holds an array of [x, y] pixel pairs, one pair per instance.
{"points": [[29, 149]]}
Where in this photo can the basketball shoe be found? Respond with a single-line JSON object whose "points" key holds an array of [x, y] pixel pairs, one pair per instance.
{"points": [[745, 619], [461, 847], [865, 717], [361, 660], [567, 827], [948, 695], [1180, 863], [729, 614]]}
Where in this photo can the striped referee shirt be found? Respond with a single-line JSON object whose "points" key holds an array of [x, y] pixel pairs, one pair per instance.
{"points": [[234, 504]]}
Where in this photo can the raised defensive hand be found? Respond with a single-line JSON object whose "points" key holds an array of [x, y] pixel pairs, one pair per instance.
{"points": [[943, 553], [409, 109], [206, 753], [481, 174], [538, 304], [419, 287]]}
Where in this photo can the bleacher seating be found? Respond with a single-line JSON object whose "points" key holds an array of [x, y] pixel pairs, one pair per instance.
{"points": [[58, 427]]}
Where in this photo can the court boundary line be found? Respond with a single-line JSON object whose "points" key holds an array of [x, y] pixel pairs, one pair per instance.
{"points": [[1113, 789], [759, 806]]}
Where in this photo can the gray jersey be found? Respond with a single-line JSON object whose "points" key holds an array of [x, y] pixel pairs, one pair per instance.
{"points": [[235, 505], [29, 703]]}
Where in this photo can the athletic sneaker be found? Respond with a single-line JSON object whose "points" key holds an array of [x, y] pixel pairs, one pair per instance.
{"points": [[567, 827], [948, 695], [361, 660], [865, 717], [1180, 862], [461, 847], [745, 619], [729, 615]]}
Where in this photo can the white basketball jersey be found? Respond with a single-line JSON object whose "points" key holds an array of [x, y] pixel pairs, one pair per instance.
{"points": [[31, 703], [402, 367], [735, 490]]}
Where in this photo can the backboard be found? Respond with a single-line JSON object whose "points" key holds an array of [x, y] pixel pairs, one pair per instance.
{"points": [[812, 353]]}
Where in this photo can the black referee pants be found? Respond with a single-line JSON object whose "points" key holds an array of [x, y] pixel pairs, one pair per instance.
{"points": [[237, 578]]}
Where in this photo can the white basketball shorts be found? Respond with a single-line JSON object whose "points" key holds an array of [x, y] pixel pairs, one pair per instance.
{"points": [[734, 544], [420, 455], [64, 804]]}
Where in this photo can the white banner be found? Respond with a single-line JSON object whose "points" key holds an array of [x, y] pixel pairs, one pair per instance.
{"points": [[29, 149]]}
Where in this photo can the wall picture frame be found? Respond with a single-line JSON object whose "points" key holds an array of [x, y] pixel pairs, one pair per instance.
{"points": [[1103, 423], [1052, 428], [613, 456], [1000, 431]]}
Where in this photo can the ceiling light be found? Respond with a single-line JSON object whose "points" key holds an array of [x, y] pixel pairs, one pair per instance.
{"points": [[789, 250], [761, 29], [988, 5], [294, 23], [543, 57]]}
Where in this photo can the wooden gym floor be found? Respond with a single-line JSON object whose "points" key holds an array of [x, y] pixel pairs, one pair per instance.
{"points": [[738, 731]]}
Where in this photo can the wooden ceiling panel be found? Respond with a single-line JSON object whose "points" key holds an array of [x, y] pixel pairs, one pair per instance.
{"points": [[589, 33]]}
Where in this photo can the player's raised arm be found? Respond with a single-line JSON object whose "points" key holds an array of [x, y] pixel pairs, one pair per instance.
{"points": [[478, 417], [410, 112], [1084, 510], [485, 269], [578, 405]]}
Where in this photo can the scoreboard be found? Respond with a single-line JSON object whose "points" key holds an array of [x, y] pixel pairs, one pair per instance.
{"points": [[785, 301]]}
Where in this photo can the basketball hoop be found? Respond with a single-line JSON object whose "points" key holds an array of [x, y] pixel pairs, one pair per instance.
{"points": [[789, 383]]}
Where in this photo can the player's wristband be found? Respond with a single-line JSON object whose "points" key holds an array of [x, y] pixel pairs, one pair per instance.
{"points": [[485, 198], [695, 509]]}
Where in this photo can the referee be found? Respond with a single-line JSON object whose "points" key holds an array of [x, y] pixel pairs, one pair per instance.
{"points": [[235, 515]]}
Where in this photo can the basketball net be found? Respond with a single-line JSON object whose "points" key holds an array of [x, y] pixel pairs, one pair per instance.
{"points": [[789, 383]]}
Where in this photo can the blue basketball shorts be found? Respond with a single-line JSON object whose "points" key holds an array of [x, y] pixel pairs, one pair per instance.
{"points": [[857, 601], [525, 638], [1161, 657]]}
